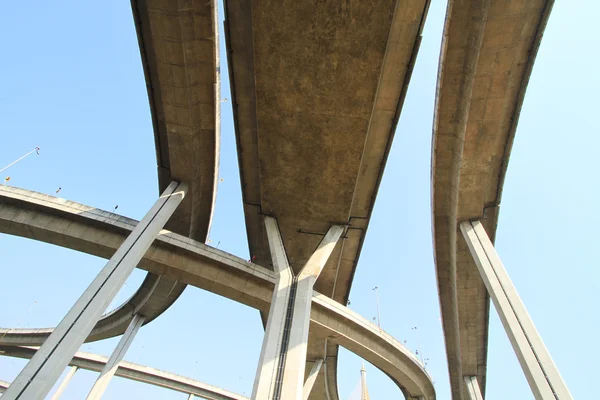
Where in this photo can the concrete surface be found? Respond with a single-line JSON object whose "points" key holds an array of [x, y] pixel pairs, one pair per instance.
{"points": [[65, 382], [136, 372], [109, 369], [488, 51], [317, 90], [45, 218], [40, 374], [163, 31], [539, 368]]}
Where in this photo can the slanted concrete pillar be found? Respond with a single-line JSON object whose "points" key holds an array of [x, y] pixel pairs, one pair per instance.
{"points": [[473, 388], [312, 377], [280, 373], [64, 383], [39, 375], [541, 372], [191, 396], [268, 363], [115, 359]]}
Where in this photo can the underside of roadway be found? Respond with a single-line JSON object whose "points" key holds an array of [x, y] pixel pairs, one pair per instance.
{"points": [[317, 91], [179, 52], [488, 51], [57, 221]]}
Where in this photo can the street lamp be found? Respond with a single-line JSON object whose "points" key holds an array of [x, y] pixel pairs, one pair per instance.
{"points": [[376, 289], [414, 328]]}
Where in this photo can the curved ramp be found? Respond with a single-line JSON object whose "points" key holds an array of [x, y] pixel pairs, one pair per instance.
{"points": [[317, 93], [487, 55], [179, 51], [44, 218], [136, 372]]}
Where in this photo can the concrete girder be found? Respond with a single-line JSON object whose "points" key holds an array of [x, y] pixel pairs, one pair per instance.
{"points": [[136, 372], [42, 371], [322, 159], [488, 51], [45, 218]]}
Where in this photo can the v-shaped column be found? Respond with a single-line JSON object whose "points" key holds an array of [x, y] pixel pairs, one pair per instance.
{"points": [[45, 367], [280, 372]]}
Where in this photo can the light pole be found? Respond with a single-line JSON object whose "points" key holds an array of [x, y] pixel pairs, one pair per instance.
{"points": [[414, 328], [376, 289], [36, 150]]}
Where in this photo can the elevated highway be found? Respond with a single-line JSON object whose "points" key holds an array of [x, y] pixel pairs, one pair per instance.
{"points": [[317, 92], [136, 372], [179, 52], [487, 55], [72, 225]]}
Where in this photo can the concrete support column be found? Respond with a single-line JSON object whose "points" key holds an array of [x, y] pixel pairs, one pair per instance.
{"points": [[541, 372], [268, 363], [280, 373], [473, 388], [115, 359], [312, 377], [39, 375], [191, 396], [64, 383]]}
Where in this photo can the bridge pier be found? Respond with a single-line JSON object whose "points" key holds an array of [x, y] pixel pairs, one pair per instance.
{"points": [[109, 369], [473, 388], [282, 362], [312, 377], [541, 372], [39, 375], [63, 385]]}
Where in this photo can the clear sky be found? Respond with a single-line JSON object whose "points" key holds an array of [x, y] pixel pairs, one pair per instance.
{"points": [[71, 82]]}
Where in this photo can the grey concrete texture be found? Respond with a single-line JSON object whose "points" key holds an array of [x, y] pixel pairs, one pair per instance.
{"points": [[537, 364], [109, 369], [40, 374], [64, 383], [317, 93], [488, 51], [82, 228], [136, 372], [157, 294], [179, 50]]}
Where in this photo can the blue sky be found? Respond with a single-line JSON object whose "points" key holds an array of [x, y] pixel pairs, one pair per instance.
{"points": [[72, 83]]}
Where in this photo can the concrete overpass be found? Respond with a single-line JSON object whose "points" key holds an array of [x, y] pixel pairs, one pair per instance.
{"points": [[179, 52], [487, 55], [136, 372], [317, 92], [44, 218]]}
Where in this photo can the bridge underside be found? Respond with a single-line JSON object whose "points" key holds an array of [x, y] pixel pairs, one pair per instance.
{"points": [[317, 92], [488, 52]]}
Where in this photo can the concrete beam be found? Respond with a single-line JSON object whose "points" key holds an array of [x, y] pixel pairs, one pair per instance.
{"points": [[473, 388], [42, 371], [540, 371], [312, 377], [138, 373], [116, 357], [79, 227], [64, 383]]}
